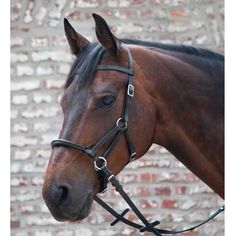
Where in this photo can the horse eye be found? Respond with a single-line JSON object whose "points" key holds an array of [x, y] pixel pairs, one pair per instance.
{"points": [[107, 100]]}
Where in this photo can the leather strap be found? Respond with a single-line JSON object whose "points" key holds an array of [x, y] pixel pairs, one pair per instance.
{"points": [[120, 217], [128, 71], [147, 226], [66, 143]]}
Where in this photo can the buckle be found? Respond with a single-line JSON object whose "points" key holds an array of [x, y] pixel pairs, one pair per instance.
{"points": [[104, 190], [132, 156], [111, 176], [121, 124], [130, 90], [101, 165]]}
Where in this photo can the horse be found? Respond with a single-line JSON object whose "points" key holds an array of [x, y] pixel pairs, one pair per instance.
{"points": [[175, 98]]}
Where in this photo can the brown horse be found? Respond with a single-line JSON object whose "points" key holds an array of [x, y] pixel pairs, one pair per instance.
{"points": [[178, 104]]}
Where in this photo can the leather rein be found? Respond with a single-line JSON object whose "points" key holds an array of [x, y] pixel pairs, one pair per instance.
{"points": [[100, 162]]}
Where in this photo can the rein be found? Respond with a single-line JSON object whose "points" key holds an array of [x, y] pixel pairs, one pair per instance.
{"points": [[100, 162]]}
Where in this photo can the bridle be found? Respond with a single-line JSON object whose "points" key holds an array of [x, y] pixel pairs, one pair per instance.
{"points": [[112, 136], [100, 162]]}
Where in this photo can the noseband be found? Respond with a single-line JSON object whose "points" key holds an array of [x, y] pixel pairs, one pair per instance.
{"points": [[100, 162]]}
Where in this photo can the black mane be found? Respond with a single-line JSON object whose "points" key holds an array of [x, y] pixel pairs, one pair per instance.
{"points": [[177, 48], [86, 61], [85, 64]]}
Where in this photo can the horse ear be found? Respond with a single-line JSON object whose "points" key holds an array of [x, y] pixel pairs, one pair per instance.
{"points": [[76, 41], [105, 36]]}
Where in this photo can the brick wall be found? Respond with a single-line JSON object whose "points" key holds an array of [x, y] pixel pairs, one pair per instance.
{"points": [[40, 59]]}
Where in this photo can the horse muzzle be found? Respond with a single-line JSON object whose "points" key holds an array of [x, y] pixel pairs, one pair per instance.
{"points": [[65, 204]]}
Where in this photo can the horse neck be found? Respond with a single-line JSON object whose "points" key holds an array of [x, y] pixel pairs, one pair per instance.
{"points": [[189, 111]]}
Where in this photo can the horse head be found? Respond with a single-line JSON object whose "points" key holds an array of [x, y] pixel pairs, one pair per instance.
{"points": [[92, 103]]}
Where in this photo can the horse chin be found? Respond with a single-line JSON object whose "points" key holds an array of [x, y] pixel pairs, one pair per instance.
{"points": [[73, 213], [85, 210]]}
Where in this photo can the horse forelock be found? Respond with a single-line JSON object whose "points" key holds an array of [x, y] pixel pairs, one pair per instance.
{"points": [[85, 65]]}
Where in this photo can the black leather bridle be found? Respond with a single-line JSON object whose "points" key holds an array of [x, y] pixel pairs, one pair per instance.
{"points": [[100, 162], [112, 136]]}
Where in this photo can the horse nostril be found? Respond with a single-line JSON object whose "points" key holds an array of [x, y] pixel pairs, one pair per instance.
{"points": [[64, 194], [61, 194]]}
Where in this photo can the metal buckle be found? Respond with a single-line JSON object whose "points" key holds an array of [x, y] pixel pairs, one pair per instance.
{"points": [[132, 156], [222, 208], [119, 124], [103, 191], [130, 90], [110, 177], [97, 168]]}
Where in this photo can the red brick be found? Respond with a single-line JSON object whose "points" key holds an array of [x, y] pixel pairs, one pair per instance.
{"points": [[169, 203], [148, 177], [128, 178], [15, 224], [131, 217], [180, 189], [179, 12], [162, 191], [189, 177], [143, 191], [148, 204]]}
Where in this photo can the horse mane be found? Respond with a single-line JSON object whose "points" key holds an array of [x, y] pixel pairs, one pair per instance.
{"points": [[86, 61], [177, 48]]}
